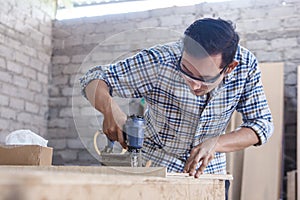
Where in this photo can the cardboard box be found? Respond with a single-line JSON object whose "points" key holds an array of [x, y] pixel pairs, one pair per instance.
{"points": [[25, 155]]}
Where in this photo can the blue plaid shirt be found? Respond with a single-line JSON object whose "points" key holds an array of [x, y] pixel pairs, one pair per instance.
{"points": [[176, 119]]}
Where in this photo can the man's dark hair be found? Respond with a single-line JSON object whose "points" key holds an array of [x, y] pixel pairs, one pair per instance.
{"points": [[212, 35]]}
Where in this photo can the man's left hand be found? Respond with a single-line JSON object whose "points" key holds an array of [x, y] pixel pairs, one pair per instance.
{"points": [[204, 153]]}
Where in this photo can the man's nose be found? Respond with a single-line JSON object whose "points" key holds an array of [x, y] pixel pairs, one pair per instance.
{"points": [[194, 84]]}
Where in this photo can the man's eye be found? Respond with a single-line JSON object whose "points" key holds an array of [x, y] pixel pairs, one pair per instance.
{"points": [[186, 70]]}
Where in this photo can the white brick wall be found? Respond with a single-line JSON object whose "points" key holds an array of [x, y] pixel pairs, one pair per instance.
{"points": [[25, 53]]}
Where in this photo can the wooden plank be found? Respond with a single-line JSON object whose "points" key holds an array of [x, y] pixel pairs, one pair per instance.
{"points": [[138, 171], [36, 185], [291, 185], [114, 159], [298, 134], [263, 165], [235, 161], [203, 176]]}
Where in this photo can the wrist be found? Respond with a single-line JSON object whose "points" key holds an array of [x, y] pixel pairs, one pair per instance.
{"points": [[218, 146]]}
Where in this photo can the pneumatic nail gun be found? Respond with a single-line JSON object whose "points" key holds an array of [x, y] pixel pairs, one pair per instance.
{"points": [[133, 133]]}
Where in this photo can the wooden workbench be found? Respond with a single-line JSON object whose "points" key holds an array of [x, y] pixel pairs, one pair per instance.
{"points": [[47, 183]]}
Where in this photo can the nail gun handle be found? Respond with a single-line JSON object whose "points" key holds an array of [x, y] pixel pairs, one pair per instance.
{"points": [[125, 137]]}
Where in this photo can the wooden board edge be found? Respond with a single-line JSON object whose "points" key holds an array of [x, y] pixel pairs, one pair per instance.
{"points": [[129, 171], [203, 176]]}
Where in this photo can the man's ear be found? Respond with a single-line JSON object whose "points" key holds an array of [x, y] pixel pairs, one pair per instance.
{"points": [[231, 66]]}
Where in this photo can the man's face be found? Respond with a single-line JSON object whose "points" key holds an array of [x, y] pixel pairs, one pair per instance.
{"points": [[201, 74]]}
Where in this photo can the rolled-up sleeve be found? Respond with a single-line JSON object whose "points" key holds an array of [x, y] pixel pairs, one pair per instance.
{"points": [[129, 78], [254, 107], [96, 73]]}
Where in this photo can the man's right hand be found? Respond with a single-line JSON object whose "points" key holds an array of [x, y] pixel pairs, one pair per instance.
{"points": [[98, 95], [114, 120]]}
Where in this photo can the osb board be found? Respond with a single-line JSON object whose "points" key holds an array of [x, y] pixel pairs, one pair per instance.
{"points": [[138, 171], [36, 185], [262, 165]]}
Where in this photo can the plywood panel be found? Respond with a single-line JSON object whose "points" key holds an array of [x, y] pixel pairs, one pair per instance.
{"points": [[36, 185], [235, 161], [298, 135], [263, 165], [291, 185]]}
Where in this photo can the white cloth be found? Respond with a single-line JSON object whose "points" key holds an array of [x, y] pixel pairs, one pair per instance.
{"points": [[25, 137]]}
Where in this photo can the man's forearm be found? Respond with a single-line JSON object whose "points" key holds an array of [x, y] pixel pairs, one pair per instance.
{"points": [[236, 140], [97, 93]]}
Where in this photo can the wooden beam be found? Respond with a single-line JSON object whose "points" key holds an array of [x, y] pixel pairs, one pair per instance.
{"points": [[36, 185]]}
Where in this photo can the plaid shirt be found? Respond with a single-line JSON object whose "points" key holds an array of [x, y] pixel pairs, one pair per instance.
{"points": [[176, 119]]}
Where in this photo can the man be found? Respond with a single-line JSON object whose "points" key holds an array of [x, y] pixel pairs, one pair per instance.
{"points": [[191, 87]]}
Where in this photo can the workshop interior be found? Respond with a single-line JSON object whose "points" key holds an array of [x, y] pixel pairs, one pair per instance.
{"points": [[52, 141]]}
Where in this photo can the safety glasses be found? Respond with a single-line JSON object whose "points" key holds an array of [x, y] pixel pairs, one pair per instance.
{"points": [[200, 78]]}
